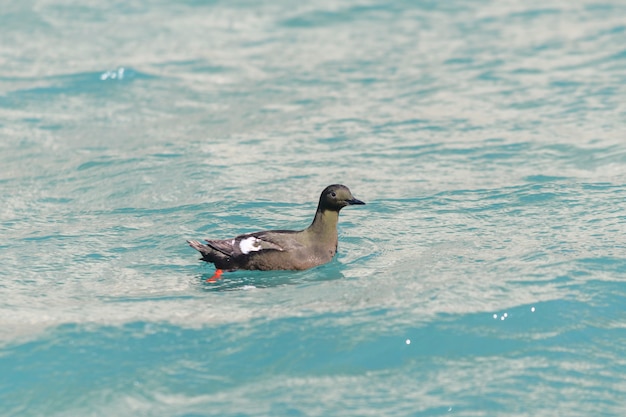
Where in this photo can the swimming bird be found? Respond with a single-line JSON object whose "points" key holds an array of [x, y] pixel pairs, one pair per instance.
{"points": [[282, 249]]}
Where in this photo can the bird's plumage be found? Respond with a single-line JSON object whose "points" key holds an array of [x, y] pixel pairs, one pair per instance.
{"points": [[283, 249]]}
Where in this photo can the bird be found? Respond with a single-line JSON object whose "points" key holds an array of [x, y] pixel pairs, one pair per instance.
{"points": [[282, 249]]}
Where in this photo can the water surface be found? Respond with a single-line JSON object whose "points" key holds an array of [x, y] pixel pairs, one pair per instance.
{"points": [[485, 276]]}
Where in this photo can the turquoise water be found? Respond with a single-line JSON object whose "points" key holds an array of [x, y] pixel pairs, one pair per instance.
{"points": [[485, 276]]}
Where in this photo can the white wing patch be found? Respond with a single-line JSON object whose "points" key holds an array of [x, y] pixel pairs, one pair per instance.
{"points": [[249, 244]]}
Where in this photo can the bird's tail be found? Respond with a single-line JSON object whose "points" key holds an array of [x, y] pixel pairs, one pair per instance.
{"points": [[198, 246], [209, 254]]}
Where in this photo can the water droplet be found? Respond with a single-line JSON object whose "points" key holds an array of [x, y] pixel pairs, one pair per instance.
{"points": [[117, 74]]}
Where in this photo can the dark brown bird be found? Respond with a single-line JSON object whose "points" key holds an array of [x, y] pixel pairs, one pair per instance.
{"points": [[282, 249]]}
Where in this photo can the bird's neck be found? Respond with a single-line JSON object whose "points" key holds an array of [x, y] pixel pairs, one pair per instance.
{"points": [[324, 224]]}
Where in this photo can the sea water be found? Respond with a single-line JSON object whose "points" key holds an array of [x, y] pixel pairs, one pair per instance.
{"points": [[486, 276]]}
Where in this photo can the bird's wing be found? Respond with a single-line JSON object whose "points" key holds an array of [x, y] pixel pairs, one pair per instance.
{"points": [[226, 246], [281, 240], [277, 240], [256, 242]]}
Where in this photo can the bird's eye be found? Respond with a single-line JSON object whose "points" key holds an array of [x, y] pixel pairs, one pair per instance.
{"points": [[333, 194]]}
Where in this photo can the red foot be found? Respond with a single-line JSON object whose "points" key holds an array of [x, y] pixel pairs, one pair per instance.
{"points": [[217, 275]]}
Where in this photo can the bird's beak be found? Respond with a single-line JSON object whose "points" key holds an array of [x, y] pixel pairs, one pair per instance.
{"points": [[354, 202]]}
